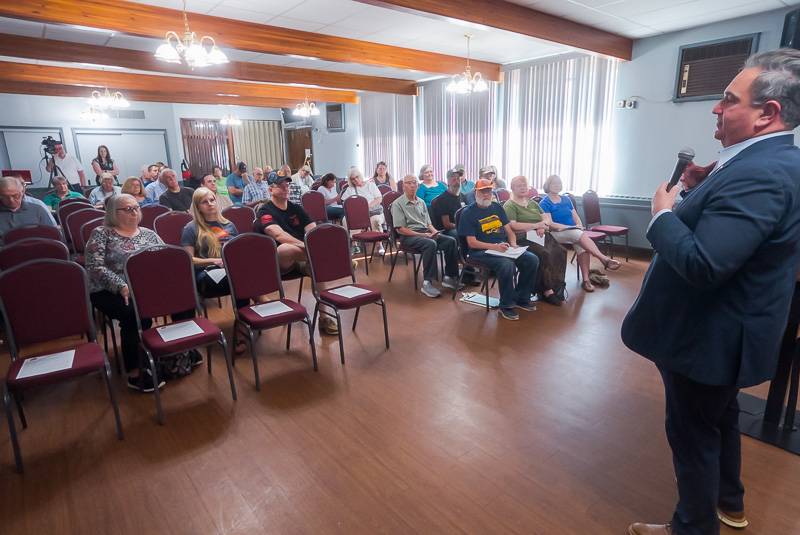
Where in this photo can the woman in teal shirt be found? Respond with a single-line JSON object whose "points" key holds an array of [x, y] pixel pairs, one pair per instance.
{"points": [[60, 192], [429, 188]]}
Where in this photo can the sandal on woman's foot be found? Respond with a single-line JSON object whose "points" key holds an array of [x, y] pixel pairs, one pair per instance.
{"points": [[611, 264], [587, 286]]}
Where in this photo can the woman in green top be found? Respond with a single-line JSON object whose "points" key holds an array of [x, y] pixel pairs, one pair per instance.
{"points": [[60, 192], [525, 215]]}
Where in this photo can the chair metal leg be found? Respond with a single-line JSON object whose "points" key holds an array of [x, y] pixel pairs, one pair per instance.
{"points": [[154, 371], [299, 292], [227, 355], [208, 358], [113, 397], [288, 336], [339, 328], [250, 345], [415, 267], [366, 262], [314, 316], [627, 248], [372, 254], [355, 319], [385, 323], [21, 412], [120, 362], [12, 431], [311, 342]]}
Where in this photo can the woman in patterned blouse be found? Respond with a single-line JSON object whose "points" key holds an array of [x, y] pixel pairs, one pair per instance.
{"points": [[106, 252]]}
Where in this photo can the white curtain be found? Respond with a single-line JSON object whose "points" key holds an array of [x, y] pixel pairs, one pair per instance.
{"points": [[557, 120], [258, 143], [387, 128], [456, 129]]}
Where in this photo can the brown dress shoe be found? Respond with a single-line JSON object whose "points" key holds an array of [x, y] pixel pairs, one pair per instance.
{"points": [[638, 528], [733, 519]]}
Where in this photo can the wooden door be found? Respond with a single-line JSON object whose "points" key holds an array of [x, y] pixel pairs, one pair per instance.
{"points": [[297, 141]]}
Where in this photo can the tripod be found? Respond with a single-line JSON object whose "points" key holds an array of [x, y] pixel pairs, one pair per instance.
{"points": [[55, 170]]}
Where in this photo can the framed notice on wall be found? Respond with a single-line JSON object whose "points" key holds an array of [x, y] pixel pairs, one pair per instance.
{"points": [[334, 117]]}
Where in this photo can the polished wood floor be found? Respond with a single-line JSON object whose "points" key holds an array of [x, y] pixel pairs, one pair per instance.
{"points": [[468, 424]]}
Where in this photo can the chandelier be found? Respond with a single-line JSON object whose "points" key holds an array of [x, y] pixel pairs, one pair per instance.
{"points": [[106, 100], [466, 82], [230, 120], [305, 109], [93, 115], [190, 50]]}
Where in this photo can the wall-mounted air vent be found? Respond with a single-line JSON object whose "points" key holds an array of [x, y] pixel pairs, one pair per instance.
{"points": [[706, 69]]}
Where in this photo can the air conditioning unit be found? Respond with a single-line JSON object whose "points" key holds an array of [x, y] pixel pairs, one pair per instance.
{"points": [[706, 69]]}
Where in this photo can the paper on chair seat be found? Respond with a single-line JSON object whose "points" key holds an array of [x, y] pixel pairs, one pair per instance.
{"points": [[216, 274], [532, 236], [270, 309], [176, 331], [46, 364], [349, 291]]}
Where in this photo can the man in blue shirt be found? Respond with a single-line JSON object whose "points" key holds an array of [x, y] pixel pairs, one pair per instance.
{"points": [[236, 181], [485, 226]]}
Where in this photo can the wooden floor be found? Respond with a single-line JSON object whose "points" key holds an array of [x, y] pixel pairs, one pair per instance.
{"points": [[468, 424]]}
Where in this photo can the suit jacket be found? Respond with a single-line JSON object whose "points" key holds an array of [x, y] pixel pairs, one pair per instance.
{"points": [[714, 303]]}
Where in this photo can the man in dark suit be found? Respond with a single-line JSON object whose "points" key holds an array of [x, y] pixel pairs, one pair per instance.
{"points": [[715, 299]]}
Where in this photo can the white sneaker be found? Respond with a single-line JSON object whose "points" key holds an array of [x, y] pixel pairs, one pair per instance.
{"points": [[429, 290], [452, 283], [381, 251]]}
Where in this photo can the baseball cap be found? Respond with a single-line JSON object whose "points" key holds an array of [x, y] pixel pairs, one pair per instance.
{"points": [[483, 183], [452, 172], [486, 170], [273, 179], [242, 167]]}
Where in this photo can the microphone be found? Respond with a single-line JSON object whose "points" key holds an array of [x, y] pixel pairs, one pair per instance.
{"points": [[685, 157]]}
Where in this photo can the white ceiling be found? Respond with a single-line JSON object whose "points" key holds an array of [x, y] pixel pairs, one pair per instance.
{"points": [[356, 20]]}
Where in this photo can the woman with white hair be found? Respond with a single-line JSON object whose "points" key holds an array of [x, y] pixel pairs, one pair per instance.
{"points": [[105, 190], [566, 227], [429, 188], [358, 186]]}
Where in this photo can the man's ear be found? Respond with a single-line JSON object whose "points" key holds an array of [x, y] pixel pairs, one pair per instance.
{"points": [[770, 113]]}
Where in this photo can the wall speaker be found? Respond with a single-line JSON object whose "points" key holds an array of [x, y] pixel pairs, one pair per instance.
{"points": [[791, 30]]}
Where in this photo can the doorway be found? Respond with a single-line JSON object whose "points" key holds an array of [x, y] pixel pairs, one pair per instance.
{"points": [[298, 145]]}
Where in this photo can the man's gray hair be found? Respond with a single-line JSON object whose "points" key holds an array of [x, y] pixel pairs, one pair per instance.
{"points": [[114, 202], [58, 178], [7, 182], [164, 171], [779, 80]]}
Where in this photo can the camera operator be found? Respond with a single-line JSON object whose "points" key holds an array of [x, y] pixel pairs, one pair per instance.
{"points": [[70, 167]]}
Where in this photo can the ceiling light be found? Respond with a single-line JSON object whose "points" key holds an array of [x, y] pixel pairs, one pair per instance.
{"points": [[106, 100], [305, 109], [466, 82], [190, 50]]}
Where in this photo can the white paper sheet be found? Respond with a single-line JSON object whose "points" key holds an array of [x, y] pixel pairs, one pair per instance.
{"points": [[177, 331], [532, 236], [349, 291], [511, 252], [216, 274], [270, 309], [46, 364]]}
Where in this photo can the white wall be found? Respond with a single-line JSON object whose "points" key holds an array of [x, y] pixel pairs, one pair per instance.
{"points": [[649, 137], [335, 152]]}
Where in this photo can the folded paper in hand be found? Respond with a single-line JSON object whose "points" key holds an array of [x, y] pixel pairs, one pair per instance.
{"points": [[533, 236]]}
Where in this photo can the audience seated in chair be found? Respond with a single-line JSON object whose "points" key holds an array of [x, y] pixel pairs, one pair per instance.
{"points": [[525, 216], [443, 214], [303, 177], [358, 186], [148, 174], [485, 226], [333, 200], [255, 191], [223, 201], [296, 189], [60, 192], [105, 190], [133, 186], [566, 227], [176, 197], [413, 223], [155, 189], [106, 252], [287, 223], [429, 187], [17, 209], [382, 177]]}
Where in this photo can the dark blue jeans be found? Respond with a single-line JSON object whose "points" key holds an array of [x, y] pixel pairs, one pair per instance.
{"points": [[703, 431], [527, 264]]}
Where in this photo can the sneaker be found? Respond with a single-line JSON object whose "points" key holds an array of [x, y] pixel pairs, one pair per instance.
{"points": [[509, 314], [530, 306], [381, 251], [735, 520], [144, 383], [452, 283], [429, 290], [551, 299], [195, 358], [328, 326]]}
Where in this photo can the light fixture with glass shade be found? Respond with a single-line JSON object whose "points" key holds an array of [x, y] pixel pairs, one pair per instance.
{"points": [[305, 109], [230, 120], [190, 50], [466, 82], [106, 100]]}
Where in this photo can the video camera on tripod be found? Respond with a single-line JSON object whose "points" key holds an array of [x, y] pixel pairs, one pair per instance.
{"points": [[49, 144]]}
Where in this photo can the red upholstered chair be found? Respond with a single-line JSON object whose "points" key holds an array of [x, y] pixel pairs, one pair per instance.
{"points": [[32, 231], [502, 195], [386, 202], [483, 269], [87, 229], [532, 193], [597, 237], [169, 226], [313, 203], [242, 217], [388, 199], [356, 211], [384, 188], [150, 213], [64, 210], [328, 249], [342, 185], [31, 249], [83, 200], [73, 224], [61, 295], [591, 210], [251, 262], [161, 282]]}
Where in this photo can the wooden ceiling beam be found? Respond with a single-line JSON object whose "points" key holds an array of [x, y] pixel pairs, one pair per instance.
{"points": [[518, 19], [150, 21], [52, 50], [58, 90], [26, 72]]}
